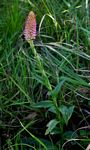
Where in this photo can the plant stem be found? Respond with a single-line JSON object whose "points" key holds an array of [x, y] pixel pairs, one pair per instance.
{"points": [[46, 80], [40, 65]]}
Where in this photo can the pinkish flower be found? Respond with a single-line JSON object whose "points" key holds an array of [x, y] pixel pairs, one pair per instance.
{"points": [[30, 27]]}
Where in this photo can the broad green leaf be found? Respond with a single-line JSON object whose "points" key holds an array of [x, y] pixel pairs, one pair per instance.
{"points": [[56, 130], [51, 125], [52, 109], [43, 104], [57, 88], [66, 112]]}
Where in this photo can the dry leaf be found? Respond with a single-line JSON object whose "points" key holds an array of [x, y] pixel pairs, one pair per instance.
{"points": [[31, 116]]}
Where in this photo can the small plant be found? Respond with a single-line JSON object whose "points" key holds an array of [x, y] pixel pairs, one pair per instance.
{"points": [[45, 77], [62, 112]]}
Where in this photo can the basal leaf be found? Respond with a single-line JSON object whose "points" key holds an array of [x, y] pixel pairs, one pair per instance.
{"points": [[51, 125], [66, 112]]}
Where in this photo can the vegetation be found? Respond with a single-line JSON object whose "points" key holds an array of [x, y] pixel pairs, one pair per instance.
{"points": [[45, 86]]}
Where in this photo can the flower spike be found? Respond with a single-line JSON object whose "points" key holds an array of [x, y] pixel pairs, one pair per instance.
{"points": [[30, 27]]}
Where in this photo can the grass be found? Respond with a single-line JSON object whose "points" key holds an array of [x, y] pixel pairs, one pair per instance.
{"points": [[45, 87]]}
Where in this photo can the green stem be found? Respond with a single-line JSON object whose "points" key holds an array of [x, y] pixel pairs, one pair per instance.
{"points": [[45, 78], [40, 65]]}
